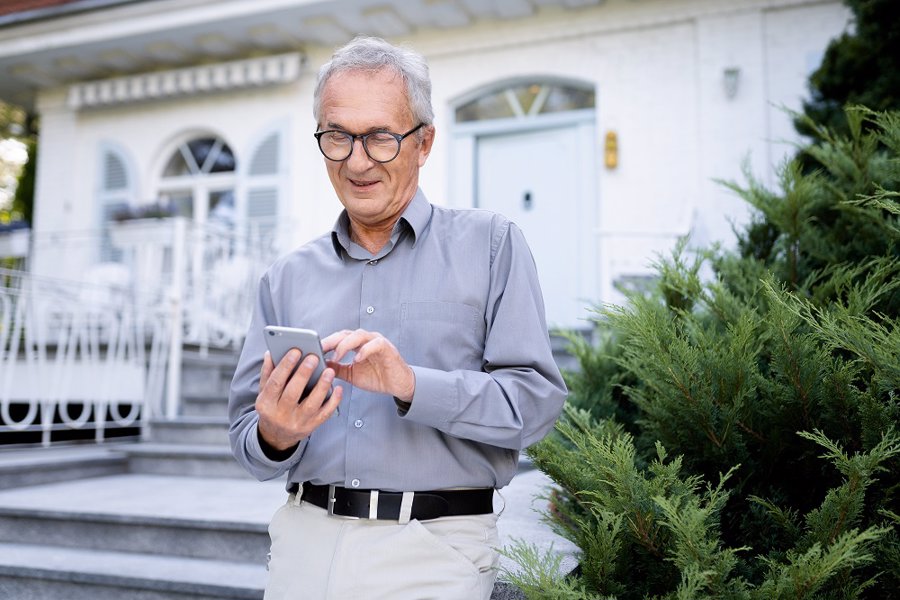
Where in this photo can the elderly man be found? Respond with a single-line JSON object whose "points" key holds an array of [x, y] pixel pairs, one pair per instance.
{"points": [[439, 359]]}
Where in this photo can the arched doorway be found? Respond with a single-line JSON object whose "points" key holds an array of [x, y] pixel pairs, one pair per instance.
{"points": [[527, 149]]}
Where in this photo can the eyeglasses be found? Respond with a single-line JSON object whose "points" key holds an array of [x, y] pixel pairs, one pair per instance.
{"points": [[381, 146]]}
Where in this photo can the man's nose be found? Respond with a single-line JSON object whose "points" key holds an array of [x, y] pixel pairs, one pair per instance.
{"points": [[359, 158]]}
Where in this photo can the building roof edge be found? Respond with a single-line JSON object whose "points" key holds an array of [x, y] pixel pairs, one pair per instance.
{"points": [[59, 10]]}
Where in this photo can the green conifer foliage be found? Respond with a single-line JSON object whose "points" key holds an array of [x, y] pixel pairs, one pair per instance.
{"points": [[738, 437]]}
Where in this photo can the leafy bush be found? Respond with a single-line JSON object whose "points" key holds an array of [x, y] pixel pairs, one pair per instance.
{"points": [[777, 380]]}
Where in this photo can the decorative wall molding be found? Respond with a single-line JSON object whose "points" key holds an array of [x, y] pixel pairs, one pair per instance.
{"points": [[191, 81]]}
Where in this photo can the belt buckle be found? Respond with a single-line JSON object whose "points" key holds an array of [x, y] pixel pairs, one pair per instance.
{"points": [[332, 501]]}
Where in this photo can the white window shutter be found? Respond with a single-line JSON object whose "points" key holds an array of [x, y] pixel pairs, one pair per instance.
{"points": [[262, 203], [115, 175], [266, 158]]}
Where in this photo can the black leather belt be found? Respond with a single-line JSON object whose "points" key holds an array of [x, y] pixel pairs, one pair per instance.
{"points": [[375, 504]]}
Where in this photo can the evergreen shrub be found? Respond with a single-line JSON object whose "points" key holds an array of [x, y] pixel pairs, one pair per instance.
{"points": [[736, 436]]}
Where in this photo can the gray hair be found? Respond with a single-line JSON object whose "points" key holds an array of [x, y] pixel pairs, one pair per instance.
{"points": [[374, 54]]}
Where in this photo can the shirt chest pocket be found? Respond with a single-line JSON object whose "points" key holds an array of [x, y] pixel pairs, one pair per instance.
{"points": [[442, 335]]}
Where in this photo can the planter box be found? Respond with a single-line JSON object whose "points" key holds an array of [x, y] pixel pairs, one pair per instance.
{"points": [[126, 235]]}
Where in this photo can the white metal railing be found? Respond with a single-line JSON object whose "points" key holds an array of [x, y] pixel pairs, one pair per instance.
{"points": [[108, 347], [210, 270], [76, 356]]}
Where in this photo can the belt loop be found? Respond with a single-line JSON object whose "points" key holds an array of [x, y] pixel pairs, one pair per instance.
{"points": [[298, 495], [406, 507], [373, 504], [330, 508]]}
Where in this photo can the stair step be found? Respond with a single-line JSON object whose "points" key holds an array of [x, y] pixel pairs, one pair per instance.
{"points": [[204, 405], [191, 430], [37, 572], [186, 460], [175, 537], [172, 503], [21, 468], [208, 374], [224, 519]]}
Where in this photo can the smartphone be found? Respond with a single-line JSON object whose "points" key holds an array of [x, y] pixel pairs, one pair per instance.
{"points": [[280, 340]]}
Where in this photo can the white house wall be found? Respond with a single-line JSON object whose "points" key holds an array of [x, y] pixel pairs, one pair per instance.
{"points": [[789, 63], [149, 132], [658, 70]]}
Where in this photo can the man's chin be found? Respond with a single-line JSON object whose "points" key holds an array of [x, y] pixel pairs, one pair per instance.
{"points": [[361, 203], [368, 195]]}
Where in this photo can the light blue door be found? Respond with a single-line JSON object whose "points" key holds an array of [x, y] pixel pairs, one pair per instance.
{"points": [[534, 178]]}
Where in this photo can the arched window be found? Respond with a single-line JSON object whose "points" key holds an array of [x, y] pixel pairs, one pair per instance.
{"points": [[526, 100], [198, 181], [200, 156]]}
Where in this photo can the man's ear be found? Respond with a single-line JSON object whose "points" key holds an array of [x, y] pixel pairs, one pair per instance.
{"points": [[426, 144]]}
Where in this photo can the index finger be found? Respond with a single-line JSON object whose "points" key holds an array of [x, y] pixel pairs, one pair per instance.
{"points": [[352, 342], [330, 343]]}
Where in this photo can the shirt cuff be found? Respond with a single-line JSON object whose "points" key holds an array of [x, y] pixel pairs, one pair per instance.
{"points": [[436, 399], [268, 455], [402, 406]]}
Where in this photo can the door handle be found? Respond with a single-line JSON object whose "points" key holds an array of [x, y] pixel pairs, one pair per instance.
{"points": [[527, 201]]}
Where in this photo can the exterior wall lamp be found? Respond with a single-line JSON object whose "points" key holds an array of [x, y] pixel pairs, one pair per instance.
{"points": [[731, 78]]}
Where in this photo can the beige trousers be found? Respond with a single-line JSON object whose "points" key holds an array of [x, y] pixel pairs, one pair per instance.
{"points": [[317, 557]]}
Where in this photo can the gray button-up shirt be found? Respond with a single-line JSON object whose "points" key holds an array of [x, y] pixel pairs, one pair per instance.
{"points": [[456, 291]]}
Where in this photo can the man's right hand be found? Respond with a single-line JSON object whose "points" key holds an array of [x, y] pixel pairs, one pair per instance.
{"points": [[283, 420]]}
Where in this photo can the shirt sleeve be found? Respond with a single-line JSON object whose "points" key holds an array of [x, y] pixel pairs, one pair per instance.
{"points": [[243, 432], [518, 396]]}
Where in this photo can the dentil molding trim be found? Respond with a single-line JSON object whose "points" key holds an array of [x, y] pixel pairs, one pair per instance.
{"points": [[190, 81]]}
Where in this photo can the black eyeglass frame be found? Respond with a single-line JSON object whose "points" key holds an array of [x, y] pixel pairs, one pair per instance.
{"points": [[364, 137]]}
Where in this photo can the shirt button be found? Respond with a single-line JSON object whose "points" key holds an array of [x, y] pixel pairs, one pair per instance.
{"points": [[358, 423], [355, 483], [370, 309], [373, 262]]}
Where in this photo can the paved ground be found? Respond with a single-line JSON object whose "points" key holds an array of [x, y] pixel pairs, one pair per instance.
{"points": [[523, 517]]}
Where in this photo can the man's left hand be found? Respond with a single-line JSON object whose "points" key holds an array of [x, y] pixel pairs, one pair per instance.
{"points": [[377, 365]]}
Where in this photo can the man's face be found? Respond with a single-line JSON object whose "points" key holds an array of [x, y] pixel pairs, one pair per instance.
{"points": [[358, 102]]}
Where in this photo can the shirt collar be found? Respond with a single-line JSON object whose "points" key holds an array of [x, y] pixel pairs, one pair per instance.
{"points": [[415, 219]]}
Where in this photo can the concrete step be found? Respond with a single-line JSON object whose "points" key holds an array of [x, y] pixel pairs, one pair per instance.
{"points": [[224, 518], [208, 374], [34, 466], [44, 572], [170, 511], [193, 430], [204, 405], [30, 572], [131, 536], [185, 460], [193, 538]]}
